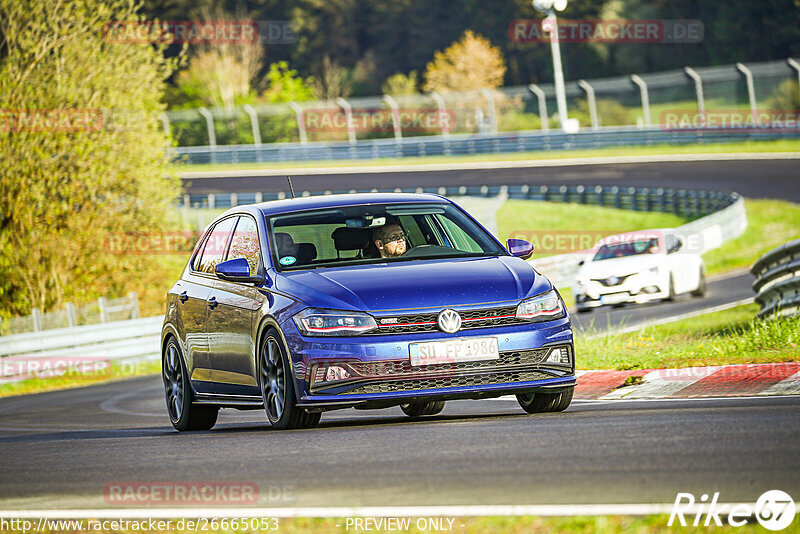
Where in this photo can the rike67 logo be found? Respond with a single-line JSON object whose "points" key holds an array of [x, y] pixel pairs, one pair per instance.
{"points": [[774, 510]]}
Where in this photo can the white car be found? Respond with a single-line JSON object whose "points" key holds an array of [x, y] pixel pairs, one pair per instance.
{"points": [[638, 267]]}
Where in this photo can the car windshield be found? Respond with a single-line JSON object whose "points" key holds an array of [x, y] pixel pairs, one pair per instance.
{"points": [[375, 233], [621, 250]]}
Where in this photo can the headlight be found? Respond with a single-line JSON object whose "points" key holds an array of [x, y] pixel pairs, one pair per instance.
{"points": [[544, 307], [653, 270], [313, 322]]}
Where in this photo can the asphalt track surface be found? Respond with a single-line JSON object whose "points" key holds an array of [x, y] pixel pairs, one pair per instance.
{"points": [[778, 179]]}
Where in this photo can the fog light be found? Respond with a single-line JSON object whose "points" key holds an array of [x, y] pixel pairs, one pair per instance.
{"points": [[650, 290], [559, 355], [335, 372]]}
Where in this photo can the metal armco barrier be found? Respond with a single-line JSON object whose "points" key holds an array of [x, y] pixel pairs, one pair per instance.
{"points": [[777, 284], [122, 341], [459, 145]]}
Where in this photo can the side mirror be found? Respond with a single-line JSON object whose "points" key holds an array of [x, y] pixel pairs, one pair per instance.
{"points": [[676, 247], [581, 262], [520, 248], [237, 270]]}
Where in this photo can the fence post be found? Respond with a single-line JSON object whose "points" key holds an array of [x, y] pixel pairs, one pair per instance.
{"points": [[440, 105], [135, 313], [487, 94], [165, 123], [301, 121], [751, 90], [398, 130], [212, 134], [645, 98], [796, 66], [592, 102], [348, 113], [539, 92], [71, 319], [212, 201], [698, 89], [101, 303], [36, 316], [253, 123]]}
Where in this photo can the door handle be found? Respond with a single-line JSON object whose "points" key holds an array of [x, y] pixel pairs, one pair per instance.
{"points": [[212, 302], [184, 297]]}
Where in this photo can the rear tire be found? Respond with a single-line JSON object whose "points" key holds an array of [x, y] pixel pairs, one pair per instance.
{"points": [[419, 409], [671, 293], [183, 414], [277, 387], [546, 402], [702, 286]]}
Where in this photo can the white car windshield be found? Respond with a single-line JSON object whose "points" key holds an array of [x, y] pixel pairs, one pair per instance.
{"points": [[621, 250]]}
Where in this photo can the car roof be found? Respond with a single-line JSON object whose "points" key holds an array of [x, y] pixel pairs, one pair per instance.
{"points": [[289, 205]]}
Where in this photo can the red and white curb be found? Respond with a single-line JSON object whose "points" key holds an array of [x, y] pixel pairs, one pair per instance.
{"points": [[714, 381]]}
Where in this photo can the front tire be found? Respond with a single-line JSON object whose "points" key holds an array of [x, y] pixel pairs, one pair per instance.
{"points": [[546, 402], [182, 413], [671, 292], [277, 387], [702, 286], [419, 409]]}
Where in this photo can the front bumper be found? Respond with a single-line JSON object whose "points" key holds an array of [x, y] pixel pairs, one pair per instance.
{"points": [[381, 374], [637, 288]]}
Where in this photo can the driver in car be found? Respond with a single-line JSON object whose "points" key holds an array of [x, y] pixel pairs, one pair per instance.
{"points": [[390, 240]]}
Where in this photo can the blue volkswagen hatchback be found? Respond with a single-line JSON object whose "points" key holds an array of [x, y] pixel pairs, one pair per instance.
{"points": [[366, 300]]}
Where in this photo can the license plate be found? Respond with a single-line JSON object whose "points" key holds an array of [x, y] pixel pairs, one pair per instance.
{"points": [[454, 350], [613, 299]]}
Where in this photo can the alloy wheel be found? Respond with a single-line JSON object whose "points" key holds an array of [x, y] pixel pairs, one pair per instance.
{"points": [[273, 379], [173, 383]]}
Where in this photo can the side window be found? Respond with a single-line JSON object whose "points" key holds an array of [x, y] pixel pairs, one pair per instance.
{"points": [[244, 243], [214, 249], [460, 239]]}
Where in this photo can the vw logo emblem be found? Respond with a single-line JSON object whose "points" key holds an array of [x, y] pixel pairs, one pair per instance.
{"points": [[613, 281], [449, 321]]}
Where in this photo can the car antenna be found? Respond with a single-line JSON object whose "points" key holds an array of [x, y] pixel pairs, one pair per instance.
{"points": [[291, 189]]}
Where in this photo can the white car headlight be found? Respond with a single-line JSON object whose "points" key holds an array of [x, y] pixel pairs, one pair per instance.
{"points": [[544, 307], [313, 322]]}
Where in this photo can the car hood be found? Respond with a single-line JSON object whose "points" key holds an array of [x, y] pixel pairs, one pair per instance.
{"points": [[620, 266], [415, 284]]}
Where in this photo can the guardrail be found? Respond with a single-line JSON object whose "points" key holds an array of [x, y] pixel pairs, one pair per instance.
{"points": [[458, 145], [777, 284], [121, 341], [102, 311]]}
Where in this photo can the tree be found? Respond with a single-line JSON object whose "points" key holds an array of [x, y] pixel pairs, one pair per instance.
{"points": [[83, 151], [284, 85], [469, 64], [400, 84]]}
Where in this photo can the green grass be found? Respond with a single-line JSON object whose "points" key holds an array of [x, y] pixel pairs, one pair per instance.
{"points": [[69, 380], [770, 223], [732, 336], [727, 148]]}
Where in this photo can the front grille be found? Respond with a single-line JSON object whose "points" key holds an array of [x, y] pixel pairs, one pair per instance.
{"points": [[612, 281], [449, 382], [404, 367], [400, 375], [426, 322]]}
